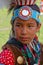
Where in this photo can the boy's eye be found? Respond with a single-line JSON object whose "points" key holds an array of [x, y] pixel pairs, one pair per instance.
{"points": [[30, 26], [18, 25]]}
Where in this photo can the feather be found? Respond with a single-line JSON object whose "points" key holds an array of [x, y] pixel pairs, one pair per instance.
{"points": [[13, 3]]}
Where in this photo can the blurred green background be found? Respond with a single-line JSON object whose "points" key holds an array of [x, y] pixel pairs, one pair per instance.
{"points": [[5, 26]]}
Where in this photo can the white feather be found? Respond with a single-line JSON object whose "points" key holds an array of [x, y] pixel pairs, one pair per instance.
{"points": [[4, 3]]}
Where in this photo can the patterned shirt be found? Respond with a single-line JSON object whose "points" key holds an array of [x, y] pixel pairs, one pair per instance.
{"points": [[6, 57]]}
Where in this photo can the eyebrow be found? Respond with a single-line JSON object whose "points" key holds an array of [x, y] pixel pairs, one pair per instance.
{"points": [[31, 23], [26, 21], [18, 23]]}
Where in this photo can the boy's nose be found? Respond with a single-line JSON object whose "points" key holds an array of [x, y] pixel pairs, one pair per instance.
{"points": [[24, 31]]}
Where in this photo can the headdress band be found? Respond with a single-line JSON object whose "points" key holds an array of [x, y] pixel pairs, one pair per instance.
{"points": [[25, 12]]}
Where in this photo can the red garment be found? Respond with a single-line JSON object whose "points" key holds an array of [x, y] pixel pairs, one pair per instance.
{"points": [[6, 57]]}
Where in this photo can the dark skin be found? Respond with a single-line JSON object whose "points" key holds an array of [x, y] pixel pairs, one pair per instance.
{"points": [[25, 30]]}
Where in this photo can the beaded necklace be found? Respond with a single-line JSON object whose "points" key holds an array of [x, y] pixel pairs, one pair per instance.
{"points": [[31, 52]]}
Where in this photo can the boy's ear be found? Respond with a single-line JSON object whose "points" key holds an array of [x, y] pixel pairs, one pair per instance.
{"points": [[38, 27]]}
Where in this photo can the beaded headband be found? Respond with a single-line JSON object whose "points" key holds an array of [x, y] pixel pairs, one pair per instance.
{"points": [[25, 12]]}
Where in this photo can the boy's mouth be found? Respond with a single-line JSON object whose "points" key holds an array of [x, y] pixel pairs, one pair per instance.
{"points": [[24, 38]]}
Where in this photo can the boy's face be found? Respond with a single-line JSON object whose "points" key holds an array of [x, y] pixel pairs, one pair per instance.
{"points": [[25, 30]]}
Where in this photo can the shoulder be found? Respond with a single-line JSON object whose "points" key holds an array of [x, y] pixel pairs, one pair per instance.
{"points": [[41, 47], [12, 40], [41, 56], [6, 57]]}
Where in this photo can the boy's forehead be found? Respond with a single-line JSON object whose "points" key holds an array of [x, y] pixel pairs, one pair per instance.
{"points": [[31, 20]]}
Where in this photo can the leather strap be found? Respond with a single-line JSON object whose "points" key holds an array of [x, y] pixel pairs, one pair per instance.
{"points": [[16, 52], [41, 56]]}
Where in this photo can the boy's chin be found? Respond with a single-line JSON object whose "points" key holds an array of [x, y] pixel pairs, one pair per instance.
{"points": [[25, 42]]}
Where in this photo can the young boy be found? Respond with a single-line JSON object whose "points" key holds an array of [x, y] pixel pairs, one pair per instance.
{"points": [[23, 47]]}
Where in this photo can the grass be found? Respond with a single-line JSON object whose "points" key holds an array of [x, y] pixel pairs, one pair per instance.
{"points": [[4, 26], [3, 37], [5, 23]]}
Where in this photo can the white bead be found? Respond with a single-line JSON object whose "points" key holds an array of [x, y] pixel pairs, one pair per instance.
{"points": [[20, 60]]}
